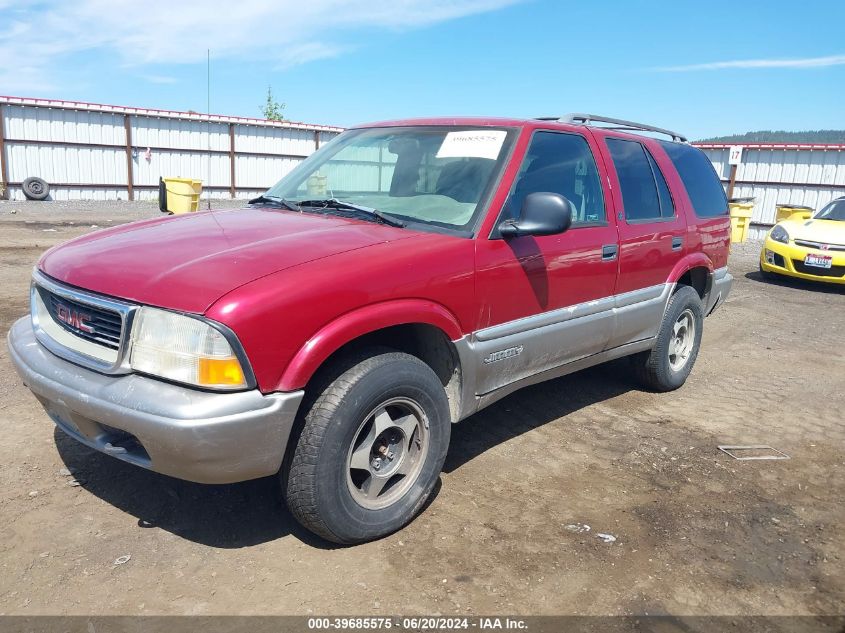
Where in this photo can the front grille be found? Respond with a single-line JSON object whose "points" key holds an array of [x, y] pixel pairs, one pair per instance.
{"points": [[819, 245], [833, 271], [88, 322]]}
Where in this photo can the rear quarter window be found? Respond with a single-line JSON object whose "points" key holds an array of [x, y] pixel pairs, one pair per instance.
{"points": [[700, 180]]}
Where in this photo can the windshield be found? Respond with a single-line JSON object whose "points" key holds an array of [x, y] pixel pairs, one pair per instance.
{"points": [[833, 211], [429, 176]]}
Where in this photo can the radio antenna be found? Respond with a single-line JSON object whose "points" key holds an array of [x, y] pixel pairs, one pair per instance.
{"points": [[208, 133]]}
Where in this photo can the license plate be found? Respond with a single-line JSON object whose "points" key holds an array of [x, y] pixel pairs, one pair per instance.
{"points": [[818, 261]]}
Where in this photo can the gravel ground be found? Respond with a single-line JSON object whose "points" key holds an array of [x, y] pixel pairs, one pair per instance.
{"points": [[695, 532]]}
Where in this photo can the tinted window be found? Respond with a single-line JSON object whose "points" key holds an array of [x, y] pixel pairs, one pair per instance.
{"points": [[834, 211], [700, 180], [664, 196], [636, 180], [560, 163]]}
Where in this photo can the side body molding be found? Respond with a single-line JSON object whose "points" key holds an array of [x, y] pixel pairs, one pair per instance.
{"points": [[351, 325], [498, 360]]}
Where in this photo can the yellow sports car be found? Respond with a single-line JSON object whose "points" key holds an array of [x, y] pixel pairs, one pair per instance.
{"points": [[808, 246]]}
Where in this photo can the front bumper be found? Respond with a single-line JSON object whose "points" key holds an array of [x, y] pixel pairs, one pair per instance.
{"points": [[178, 431], [788, 257]]}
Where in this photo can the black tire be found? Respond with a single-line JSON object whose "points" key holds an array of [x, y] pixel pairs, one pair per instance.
{"points": [[35, 189], [162, 197], [654, 368], [318, 483]]}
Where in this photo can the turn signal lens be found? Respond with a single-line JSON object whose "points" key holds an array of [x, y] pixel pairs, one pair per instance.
{"points": [[220, 371]]}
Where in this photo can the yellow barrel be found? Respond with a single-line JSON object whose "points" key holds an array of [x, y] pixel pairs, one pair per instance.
{"points": [[741, 211], [179, 195], [785, 211]]}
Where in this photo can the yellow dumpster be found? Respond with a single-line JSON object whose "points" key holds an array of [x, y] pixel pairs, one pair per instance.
{"points": [[179, 195], [741, 210], [785, 211]]}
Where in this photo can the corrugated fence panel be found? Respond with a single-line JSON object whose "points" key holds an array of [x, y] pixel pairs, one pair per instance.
{"points": [[212, 169], [67, 164], [258, 173], [51, 143], [808, 176], [178, 134], [251, 138], [60, 125], [80, 149]]}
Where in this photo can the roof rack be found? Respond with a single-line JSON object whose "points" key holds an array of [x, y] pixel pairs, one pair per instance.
{"points": [[618, 124]]}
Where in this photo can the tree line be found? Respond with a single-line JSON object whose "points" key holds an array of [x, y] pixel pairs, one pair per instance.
{"points": [[782, 136]]}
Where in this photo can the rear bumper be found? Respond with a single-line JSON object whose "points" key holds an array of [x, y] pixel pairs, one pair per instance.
{"points": [[178, 431], [721, 288]]}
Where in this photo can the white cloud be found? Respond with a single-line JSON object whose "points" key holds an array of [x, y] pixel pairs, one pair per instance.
{"points": [[37, 38], [159, 79], [806, 62]]}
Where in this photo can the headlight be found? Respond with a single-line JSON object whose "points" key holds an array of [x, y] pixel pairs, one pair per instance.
{"points": [[779, 234], [183, 349]]}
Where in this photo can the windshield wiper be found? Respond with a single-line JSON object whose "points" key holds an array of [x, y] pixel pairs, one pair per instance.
{"points": [[275, 200], [334, 203]]}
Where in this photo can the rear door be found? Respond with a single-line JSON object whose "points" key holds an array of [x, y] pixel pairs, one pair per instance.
{"points": [[652, 233], [547, 300]]}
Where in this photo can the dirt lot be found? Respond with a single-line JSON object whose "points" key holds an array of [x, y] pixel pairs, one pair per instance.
{"points": [[696, 532]]}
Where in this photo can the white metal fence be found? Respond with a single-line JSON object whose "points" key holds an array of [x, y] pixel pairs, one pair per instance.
{"points": [[100, 152], [94, 151], [807, 175]]}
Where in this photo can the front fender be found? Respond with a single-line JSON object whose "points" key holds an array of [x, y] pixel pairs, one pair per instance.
{"points": [[357, 323]]}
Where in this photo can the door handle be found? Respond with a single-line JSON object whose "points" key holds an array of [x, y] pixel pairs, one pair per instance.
{"points": [[677, 243], [609, 252]]}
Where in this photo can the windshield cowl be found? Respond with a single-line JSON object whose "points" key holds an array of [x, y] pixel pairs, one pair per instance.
{"points": [[333, 205]]}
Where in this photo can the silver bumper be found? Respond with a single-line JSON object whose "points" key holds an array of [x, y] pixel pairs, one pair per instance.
{"points": [[722, 282], [178, 431]]}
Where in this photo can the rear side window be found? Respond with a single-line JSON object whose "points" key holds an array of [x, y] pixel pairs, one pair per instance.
{"points": [[636, 180], [700, 180], [667, 207]]}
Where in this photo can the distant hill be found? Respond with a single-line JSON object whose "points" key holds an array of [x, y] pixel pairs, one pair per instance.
{"points": [[780, 136]]}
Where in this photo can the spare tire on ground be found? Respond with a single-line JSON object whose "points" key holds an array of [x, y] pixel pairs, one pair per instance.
{"points": [[35, 189]]}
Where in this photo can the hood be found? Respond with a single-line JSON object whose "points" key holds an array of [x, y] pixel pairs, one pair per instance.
{"points": [[824, 231], [189, 261]]}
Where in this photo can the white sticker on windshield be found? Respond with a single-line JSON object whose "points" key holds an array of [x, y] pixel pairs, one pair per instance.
{"points": [[472, 144]]}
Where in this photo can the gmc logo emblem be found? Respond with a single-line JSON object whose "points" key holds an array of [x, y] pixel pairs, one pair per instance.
{"points": [[73, 318]]}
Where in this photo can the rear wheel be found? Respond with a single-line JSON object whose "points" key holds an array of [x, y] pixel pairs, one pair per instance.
{"points": [[668, 364], [370, 450]]}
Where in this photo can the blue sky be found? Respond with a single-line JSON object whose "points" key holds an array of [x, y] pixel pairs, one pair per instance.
{"points": [[700, 68]]}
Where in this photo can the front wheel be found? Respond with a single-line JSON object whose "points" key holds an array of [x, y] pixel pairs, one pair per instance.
{"points": [[371, 449], [668, 364]]}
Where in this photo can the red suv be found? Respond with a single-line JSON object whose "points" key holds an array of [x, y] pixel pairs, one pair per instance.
{"points": [[400, 279]]}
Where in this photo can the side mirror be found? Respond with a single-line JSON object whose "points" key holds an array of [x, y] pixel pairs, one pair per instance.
{"points": [[542, 213]]}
